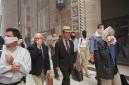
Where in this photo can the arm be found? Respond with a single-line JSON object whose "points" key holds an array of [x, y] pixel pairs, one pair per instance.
{"points": [[34, 52], [4, 67], [25, 63], [47, 60], [78, 46], [92, 49], [92, 45], [57, 54]]}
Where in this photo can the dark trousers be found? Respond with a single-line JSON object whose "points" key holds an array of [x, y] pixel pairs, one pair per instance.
{"points": [[66, 75], [98, 67], [55, 71]]}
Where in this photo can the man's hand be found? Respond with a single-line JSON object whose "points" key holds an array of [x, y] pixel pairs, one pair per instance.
{"points": [[110, 40], [15, 67], [49, 72], [92, 58], [9, 58]]}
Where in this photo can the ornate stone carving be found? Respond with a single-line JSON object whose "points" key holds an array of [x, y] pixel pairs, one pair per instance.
{"points": [[78, 15]]}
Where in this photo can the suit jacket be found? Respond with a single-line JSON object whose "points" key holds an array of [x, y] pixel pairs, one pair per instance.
{"points": [[39, 62], [63, 58], [1, 42], [108, 67]]}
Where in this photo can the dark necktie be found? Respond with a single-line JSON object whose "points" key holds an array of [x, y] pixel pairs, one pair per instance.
{"points": [[42, 51], [67, 46]]}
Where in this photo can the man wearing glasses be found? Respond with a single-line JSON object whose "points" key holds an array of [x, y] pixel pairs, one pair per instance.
{"points": [[40, 59]]}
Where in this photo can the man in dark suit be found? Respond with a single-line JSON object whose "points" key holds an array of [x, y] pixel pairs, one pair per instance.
{"points": [[64, 51], [40, 59], [1, 42]]}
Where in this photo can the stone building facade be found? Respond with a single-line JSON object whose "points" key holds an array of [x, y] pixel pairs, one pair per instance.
{"points": [[44, 16], [21, 14]]}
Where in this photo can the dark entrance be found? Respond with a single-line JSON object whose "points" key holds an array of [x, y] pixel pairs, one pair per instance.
{"points": [[115, 13]]}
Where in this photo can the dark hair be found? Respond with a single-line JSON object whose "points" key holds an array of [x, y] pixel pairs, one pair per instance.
{"points": [[16, 33], [99, 25], [1, 43], [1, 40], [84, 32], [72, 32]]}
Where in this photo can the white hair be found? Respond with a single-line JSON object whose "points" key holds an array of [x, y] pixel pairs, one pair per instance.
{"points": [[38, 35]]}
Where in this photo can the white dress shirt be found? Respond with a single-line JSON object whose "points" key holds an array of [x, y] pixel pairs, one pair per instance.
{"points": [[65, 43], [75, 42], [21, 56]]}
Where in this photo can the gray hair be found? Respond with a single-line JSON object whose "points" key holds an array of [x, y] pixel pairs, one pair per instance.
{"points": [[38, 35]]}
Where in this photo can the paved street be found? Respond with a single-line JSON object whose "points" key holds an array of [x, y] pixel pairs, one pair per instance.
{"points": [[87, 81]]}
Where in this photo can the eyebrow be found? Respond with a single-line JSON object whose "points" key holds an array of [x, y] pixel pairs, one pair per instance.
{"points": [[8, 35]]}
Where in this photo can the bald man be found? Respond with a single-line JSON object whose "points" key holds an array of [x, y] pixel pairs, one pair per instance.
{"points": [[40, 59]]}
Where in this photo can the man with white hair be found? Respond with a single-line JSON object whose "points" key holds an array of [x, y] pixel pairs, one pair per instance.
{"points": [[15, 61], [40, 59]]}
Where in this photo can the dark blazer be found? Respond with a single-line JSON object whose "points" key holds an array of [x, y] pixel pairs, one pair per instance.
{"points": [[39, 62], [108, 68], [1, 42], [63, 59]]}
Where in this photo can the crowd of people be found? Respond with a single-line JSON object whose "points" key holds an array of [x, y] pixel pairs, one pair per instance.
{"points": [[67, 51]]}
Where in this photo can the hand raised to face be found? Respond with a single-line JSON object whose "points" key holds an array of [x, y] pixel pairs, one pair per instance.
{"points": [[9, 58]]}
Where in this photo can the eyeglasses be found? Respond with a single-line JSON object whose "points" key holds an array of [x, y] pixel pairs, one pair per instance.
{"points": [[38, 38], [8, 36]]}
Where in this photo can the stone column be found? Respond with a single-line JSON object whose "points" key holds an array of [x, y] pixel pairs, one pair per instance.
{"points": [[9, 14], [33, 25]]}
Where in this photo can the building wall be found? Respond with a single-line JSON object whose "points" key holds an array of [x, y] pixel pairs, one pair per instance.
{"points": [[43, 16], [33, 23], [66, 14], [93, 15], [50, 18], [21, 14], [86, 15], [9, 14]]}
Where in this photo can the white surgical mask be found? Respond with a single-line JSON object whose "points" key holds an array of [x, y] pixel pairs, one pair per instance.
{"points": [[10, 40]]}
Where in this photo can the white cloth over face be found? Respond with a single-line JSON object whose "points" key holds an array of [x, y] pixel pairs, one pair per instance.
{"points": [[21, 56], [10, 40], [108, 35]]}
